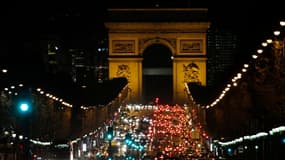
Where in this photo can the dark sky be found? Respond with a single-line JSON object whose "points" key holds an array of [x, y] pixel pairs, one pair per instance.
{"points": [[29, 18], [252, 19], [25, 25]]}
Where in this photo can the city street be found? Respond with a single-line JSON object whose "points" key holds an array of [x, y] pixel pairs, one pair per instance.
{"points": [[142, 80]]}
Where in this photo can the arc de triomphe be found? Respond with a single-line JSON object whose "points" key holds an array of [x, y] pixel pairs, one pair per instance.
{"points": [[182, 31]]}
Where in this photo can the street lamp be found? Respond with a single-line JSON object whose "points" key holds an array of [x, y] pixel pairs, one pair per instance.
{"points": [[4, 70], [279, 42]]}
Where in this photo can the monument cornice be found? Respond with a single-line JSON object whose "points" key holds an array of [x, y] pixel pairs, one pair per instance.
{"points": [[116, 27]]}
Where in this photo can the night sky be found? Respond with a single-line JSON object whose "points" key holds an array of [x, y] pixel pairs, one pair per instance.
{"points": [[25, 26], [25, 19]]}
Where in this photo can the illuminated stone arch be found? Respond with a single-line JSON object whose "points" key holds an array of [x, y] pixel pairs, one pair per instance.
{"points": [[128, 39]]}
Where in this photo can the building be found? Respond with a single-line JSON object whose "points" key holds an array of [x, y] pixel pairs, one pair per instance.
{"points": [[223, 48], [77, 45]]}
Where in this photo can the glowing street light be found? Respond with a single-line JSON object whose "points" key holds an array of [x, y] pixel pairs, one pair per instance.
{"points": [[4, 70], [24, 107]]}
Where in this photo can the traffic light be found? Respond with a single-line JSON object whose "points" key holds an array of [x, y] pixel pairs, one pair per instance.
{"points": [[110, 133], [156, 100], [128, 139], [23, 101], [24, 106]]}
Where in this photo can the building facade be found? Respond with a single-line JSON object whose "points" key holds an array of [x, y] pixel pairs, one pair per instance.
{"points": [[222, 47]]}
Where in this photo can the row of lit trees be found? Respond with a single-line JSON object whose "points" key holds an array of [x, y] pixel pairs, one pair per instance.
{"points": [[48, 117], [256, 101]]}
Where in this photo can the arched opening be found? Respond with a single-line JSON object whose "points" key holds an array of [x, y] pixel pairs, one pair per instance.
{"points": [[157, 74]]}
